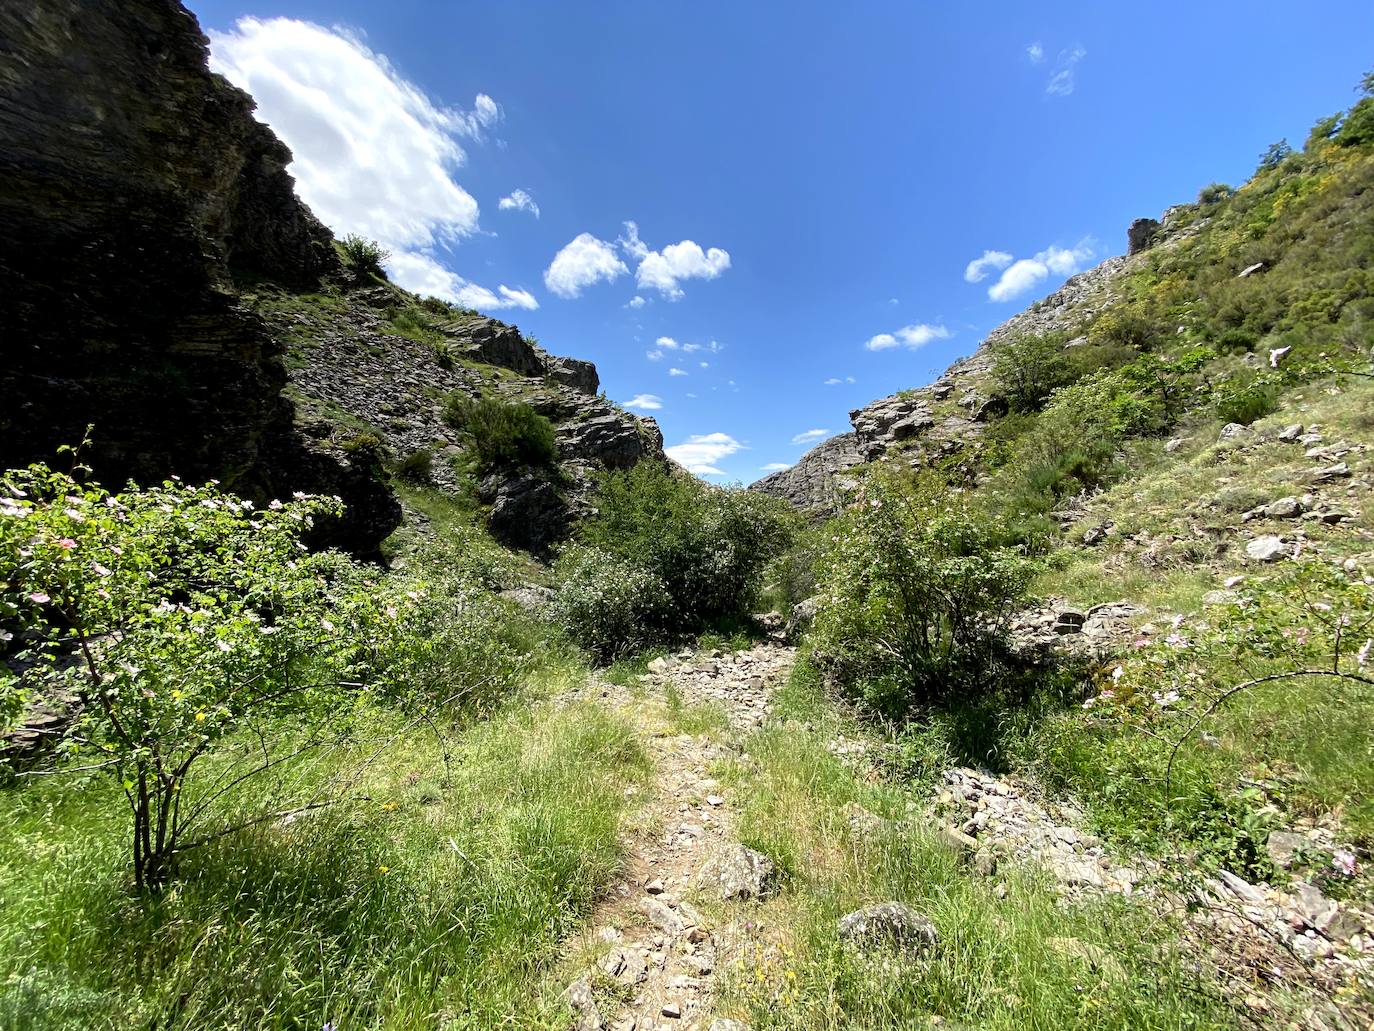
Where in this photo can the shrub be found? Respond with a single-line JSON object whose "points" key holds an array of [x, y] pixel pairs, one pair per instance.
{"points": [[418, 466], [917, 595], [1027, 369], [708, 545], [503, 434], [608, 604], [365, 256], [1214, 193], [191, 617], [1245, 400]]}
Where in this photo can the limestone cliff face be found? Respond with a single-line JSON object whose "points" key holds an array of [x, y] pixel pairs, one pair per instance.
{"points": [[133, 185]]}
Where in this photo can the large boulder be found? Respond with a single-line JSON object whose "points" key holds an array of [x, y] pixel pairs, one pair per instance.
{"points": [[739, 873], [1141, 235], [890, 923], [528, 510]]}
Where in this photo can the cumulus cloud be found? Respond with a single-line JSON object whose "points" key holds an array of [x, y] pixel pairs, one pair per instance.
{"points": [[635, 302], [1023, 275], [519, 200], [422, 274], [833, 381], [1063, 81], [654, 355], [1036, 53], [644, 402], [664, 270], [371, 153], [582, 262], [773, 467], [677, 372], [809, 436], [977, 269], [667, 343], [912, 337], [700, 452]]}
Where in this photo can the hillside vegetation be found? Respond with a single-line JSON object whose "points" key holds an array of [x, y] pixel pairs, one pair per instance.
{"points": [[1061, 721]]}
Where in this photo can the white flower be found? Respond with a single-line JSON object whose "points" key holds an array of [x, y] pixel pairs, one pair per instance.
{"points": [[1165, 699], [1117, 673], [1362, 656], [224, 645], [99, 569], [299, 495], [274, 505]]}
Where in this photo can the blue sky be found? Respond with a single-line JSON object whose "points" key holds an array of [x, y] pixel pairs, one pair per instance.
{"points": [[808, 183]]}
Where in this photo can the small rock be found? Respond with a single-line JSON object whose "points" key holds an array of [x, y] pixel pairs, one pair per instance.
{"points": [[1291, 433], [739, 873], [1283, 508], [662, 916], [888, 921], [1268, 549], [672, 1010], [1284, 847], [1175, 444], [654, 887], [727, 1025], [715, 800], [579, 997], [1339, 471], [1219, 597], [1235, 431], [660, 665], [1241, 888]]}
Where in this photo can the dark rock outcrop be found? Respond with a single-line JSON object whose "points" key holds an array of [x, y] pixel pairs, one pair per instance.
{"points": [[134, 185], [1141, 235], [817, 479]]}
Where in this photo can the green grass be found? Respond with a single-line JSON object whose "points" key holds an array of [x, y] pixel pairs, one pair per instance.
{"points": [[440, 904], [1027, 960], [693, 718]]}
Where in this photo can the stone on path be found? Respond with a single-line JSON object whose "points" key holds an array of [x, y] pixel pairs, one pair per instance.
{"points": [[1268, 549], [579, 997], [739, 873], [890, 922]]}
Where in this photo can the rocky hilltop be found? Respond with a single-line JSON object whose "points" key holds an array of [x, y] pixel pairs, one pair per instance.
{"points": [[158, 266], [937, 421]]}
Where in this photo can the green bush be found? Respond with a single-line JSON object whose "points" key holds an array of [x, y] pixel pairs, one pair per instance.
{"points": [[1214, 193], [503, 434], [365, 256], [608, 604], [418, 466], [916, 596], [1027, 369], [708, 545], [1245, 400]]}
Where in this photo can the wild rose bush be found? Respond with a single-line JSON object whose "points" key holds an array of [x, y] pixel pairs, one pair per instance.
{"points": [[608, 605], [916, 596]]}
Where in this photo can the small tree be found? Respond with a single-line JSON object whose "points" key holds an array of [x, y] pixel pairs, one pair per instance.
{"points": [[1027, 368], [367, 257], [916, 595], [184, 618], [503, 434]]}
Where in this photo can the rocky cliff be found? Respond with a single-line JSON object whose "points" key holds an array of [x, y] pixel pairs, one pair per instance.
{"points": [[160, 276]]}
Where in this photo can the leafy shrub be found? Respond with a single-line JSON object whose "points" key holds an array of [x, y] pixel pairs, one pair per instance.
{"points": [[1027, 369], [609, 604], [1214, 193], [916, 597], [418, 466], [193, 618], [1245, 400], [365, 444], [708, 545], [365, 256], [503, 434]]}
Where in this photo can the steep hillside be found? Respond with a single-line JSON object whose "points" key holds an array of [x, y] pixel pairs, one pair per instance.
{"points": [[159, 267]]}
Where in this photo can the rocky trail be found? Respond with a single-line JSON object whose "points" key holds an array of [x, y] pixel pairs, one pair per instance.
{"points": [[653, 953], [654, 957]]}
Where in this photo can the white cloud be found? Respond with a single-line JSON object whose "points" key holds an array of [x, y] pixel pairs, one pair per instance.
{"points": [[1064, 80], [371, 153], [664, 270], [519, 200], [635, 302], [700, 453], [691, 395], [704, 365], [654, 355], [833, 381], [809, 436], [977, 269], [773, 467], [913, 336], [1036, 53], [646, 402], [850, 379], [422, 274], [582, 262], [1025, 274], [667, 343], [676, 372]]}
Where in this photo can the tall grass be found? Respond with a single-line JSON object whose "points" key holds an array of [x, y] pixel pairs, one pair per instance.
{"points": [[440, 903]]}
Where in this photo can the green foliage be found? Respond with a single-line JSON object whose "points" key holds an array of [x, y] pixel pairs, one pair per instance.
{"points": [[503, 434], [1275, 156], [1246, 398], [1214, 193], [193, 617], [365, 256], [916, 596], [1027, 369], [707, 545], [364, 444], [609, 604], [418, 466]]}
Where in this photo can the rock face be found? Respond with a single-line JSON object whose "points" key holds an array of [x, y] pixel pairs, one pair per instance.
{"points": [[135, 185], [817, 479], [1141, 235]]}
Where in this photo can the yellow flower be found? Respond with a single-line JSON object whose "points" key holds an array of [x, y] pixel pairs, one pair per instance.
{"points": [[200, 715], [384, 869]]}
